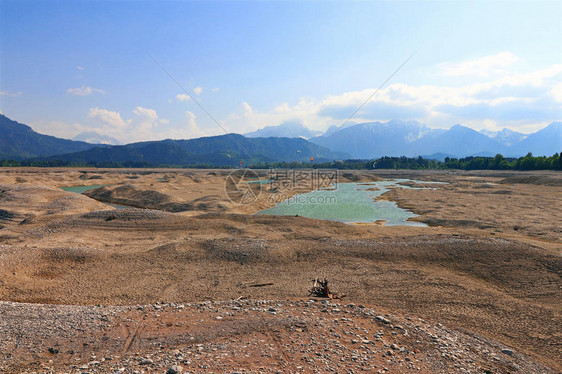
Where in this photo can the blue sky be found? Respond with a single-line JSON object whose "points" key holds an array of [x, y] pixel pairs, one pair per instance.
{"points": [[73, 66]]}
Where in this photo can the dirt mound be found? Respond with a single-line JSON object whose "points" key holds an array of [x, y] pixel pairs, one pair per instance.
{"points": [[533, 179], [40, 200], [70, 254], [6, 215], [131, 214], [211, 203], [132, 196]]}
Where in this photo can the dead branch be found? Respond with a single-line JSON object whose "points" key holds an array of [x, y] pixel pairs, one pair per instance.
{"points": [[260, 285]]}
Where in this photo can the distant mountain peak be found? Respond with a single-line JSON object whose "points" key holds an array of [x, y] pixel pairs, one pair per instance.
{"points": [[555, 125], [93, 137], [374, 139], [505, 136], [458, 126], [289, 129]]}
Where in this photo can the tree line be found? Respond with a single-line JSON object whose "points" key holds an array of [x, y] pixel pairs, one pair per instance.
{"points": [[499, 162], [527, 162]]}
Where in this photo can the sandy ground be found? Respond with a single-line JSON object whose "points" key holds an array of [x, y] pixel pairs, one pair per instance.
{"points": [[489, 264]]}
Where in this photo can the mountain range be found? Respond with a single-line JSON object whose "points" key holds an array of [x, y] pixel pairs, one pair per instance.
{"points": [[222, 150], [400, 138], [360, 141], [18, 141], [411, 138]]}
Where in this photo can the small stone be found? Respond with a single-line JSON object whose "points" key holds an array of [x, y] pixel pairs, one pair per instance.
{"points": [[382, 319], [508, 352], [146, 361], [175, 370]]}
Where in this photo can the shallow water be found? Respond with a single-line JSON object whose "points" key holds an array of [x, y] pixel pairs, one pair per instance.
{"points": [[350, 203], [261, 181], [82, 189]]}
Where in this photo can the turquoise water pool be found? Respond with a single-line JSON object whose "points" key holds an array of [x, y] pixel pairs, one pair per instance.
{"points": [[350, 203], [82, 189], [261, 181]]}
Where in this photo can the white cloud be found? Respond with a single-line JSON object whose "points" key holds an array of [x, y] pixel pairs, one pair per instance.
{"points": [[145, 124], [186, 129], [247, 107], [84, 91], [146, 112], [10, 94], [537, 78], [198, 90], [557, 92], [525, 101], [108, 117], [79, 68], [306, 112], [481, 67], [183, 97], [215, 89], [193, 131]]}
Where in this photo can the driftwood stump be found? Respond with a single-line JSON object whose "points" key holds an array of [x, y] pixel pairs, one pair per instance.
{"points": [[321, 289]]}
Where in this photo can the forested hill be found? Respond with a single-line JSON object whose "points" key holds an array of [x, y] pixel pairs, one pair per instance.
{"points": [[223, 150], [19, 141]]}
